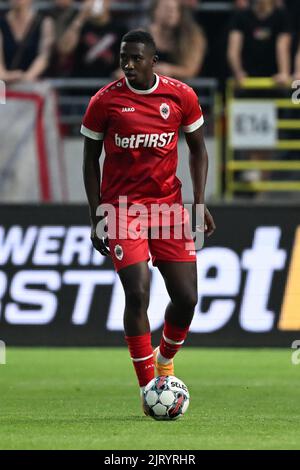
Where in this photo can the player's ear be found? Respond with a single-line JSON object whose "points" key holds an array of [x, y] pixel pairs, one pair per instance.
{"points": [[155, 59]]}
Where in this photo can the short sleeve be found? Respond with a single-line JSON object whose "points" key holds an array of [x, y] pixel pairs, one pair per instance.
{"points": [[94, 120], [192, 117], [284, 22], [237, 22]]}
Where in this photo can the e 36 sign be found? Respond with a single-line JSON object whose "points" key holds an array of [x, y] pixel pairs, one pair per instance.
{"points": [[252, 125]]}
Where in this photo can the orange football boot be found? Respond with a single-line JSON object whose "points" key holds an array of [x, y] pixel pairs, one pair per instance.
{"points": [[162, 369]]}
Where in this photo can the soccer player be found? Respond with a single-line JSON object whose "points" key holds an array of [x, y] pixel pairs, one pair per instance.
{"points": [[138, 119]]}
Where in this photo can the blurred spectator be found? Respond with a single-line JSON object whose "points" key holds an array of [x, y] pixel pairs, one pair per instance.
{"points": [[134, 18], [242, 3], [180, 41], [25, 42], [63, 14], [190, 3], [140, 17], [278, 3], [293, 7], [260, 42], [94, 37], [297, 64]]}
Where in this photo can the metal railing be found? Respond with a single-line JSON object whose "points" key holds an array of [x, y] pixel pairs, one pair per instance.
{"points": [[213, 7]]}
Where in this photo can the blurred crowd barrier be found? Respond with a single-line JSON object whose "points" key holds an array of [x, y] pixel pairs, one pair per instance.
{"points": [[31, 158]]}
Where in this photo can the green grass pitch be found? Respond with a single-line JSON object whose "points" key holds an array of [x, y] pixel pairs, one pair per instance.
{"points": [[88, 399]]}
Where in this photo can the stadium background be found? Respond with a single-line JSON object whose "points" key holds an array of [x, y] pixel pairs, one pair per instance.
{"points": [[56, 291]]}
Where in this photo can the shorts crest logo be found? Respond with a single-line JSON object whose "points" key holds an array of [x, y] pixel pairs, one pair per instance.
{"points": [[165, 110], [119, 252]]}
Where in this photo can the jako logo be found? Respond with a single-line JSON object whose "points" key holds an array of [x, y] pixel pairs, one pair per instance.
{"points": [[144, 140], [128, 110]]}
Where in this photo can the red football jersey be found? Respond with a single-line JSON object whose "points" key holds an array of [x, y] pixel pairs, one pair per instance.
{"points": [[140, 132]]}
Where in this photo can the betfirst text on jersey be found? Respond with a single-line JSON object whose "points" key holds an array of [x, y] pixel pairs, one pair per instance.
{"points": [[144, 140]]}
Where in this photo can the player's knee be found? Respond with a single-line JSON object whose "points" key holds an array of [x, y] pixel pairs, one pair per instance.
{"points": [[137, 299], [185, 300]]}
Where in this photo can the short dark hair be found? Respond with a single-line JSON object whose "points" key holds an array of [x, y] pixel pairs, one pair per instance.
{"points": [[140, 36]]}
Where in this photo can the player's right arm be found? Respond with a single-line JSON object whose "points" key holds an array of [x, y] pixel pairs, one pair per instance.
{"points": [[92, 178], [91, 174], [93, 128]]}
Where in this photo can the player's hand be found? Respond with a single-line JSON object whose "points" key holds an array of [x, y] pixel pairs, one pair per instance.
{"points": [[100, 243], [209, 226], [206, 226]]}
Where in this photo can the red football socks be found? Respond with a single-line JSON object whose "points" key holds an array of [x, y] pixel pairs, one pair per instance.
{"points": [[172, 340], [141, 353]]}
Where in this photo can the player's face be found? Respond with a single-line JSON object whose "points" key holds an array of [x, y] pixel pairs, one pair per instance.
{"points": [[137, 61]]}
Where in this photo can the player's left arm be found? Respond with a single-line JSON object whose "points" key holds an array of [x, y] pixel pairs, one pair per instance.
{"points": [[198, 170]]}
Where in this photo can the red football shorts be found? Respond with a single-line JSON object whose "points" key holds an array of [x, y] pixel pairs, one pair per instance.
{"points": [[164, 237]]}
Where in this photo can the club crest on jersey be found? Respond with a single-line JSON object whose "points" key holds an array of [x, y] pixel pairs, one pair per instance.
{"points": [[164, 110], [119, 252]]}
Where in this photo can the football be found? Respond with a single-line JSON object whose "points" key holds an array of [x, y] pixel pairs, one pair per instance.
{"points": [[166, 398]]}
